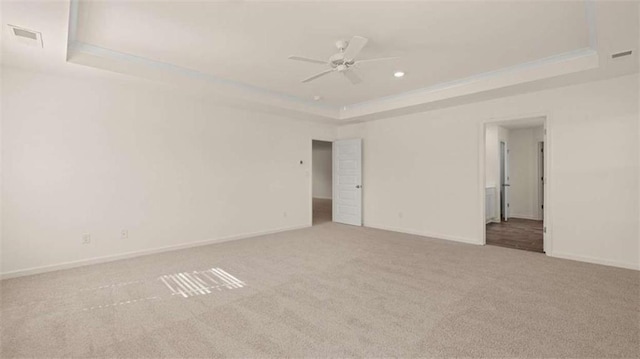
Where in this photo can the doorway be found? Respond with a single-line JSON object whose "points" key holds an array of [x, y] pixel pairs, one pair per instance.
{"points": [[322, 181], [515, 184]]}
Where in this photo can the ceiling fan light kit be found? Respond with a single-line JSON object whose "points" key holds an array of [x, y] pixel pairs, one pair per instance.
{"points": [[343, 61]]}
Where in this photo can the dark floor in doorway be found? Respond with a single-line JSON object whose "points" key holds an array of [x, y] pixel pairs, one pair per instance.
{"points": [[525, 234], [321, 210]]}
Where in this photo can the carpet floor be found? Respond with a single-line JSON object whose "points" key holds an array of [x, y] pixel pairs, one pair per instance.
{"points": [[326, 291]]}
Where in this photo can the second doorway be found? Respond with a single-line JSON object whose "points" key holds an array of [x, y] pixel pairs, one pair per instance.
{"points": [[322, 178]]}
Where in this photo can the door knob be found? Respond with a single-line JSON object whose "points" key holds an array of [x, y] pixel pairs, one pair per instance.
{"points": [[358, 186]]}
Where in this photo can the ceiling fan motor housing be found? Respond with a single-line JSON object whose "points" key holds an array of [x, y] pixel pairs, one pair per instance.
{"points": [[337, 61]]}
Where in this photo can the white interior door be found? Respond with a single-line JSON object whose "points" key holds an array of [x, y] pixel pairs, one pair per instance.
{"points": [[347, 181]]}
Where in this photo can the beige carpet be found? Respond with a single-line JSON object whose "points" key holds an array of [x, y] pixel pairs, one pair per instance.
{"points": [[327, 291]]}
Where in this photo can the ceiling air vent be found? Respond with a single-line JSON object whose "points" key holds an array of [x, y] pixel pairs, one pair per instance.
{"points": [[26, 36], [621, 54]]}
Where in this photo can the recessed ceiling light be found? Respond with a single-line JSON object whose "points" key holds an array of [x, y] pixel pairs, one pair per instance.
{"points": [[317, 98], [398, 74]]}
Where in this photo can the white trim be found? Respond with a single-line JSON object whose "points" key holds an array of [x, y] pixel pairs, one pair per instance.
{"points": [[547, 217], [553, 59], [428, 235], [482, 180], [524, 216], [540, 177], [114, 61], [73, 24], [555, 65], [587, 259], [548, 235], [84, 54], [310, 172], [111, 258], [128, 58]]}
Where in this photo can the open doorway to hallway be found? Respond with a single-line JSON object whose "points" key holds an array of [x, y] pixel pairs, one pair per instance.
{"points": [[322, 179], [514, 184]]}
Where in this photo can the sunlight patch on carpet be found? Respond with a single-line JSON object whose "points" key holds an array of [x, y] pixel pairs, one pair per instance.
{"points": [[188, 284]]}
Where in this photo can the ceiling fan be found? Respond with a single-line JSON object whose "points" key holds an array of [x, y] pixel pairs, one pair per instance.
{"points": [[343, 61]]}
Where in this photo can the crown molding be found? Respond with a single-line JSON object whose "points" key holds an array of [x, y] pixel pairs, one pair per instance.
{"points": [[563, 64], [245, 95]]}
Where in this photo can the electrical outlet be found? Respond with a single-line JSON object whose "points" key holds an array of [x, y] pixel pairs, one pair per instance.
{"points": [[86, 238], [124, 234]]}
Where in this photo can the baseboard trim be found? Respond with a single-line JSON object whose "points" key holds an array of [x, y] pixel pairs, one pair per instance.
{"points": [[524, 216], [425, 234], [127, 255], [594, 260]]}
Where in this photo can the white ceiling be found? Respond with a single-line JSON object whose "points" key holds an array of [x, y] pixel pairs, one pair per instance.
{"points": [[249, 42], [450, 51]]}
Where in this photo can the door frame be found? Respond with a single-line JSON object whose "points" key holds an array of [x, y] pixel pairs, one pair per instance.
{"points": [[548, 148], [504, 178], [541, 177], [309, 173]]}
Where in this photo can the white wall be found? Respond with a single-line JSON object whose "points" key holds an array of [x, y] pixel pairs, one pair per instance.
{"points": [[492, 168], [638, 157], [492, 151], [1, 167], [98, 157], [322, 169], [523, 172], [422, 173]]}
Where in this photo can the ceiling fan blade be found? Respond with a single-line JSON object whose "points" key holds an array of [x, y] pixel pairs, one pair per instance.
{"points": [[352, 76], [355, 46], [306, 59], [317, 75], [378, 59]]}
